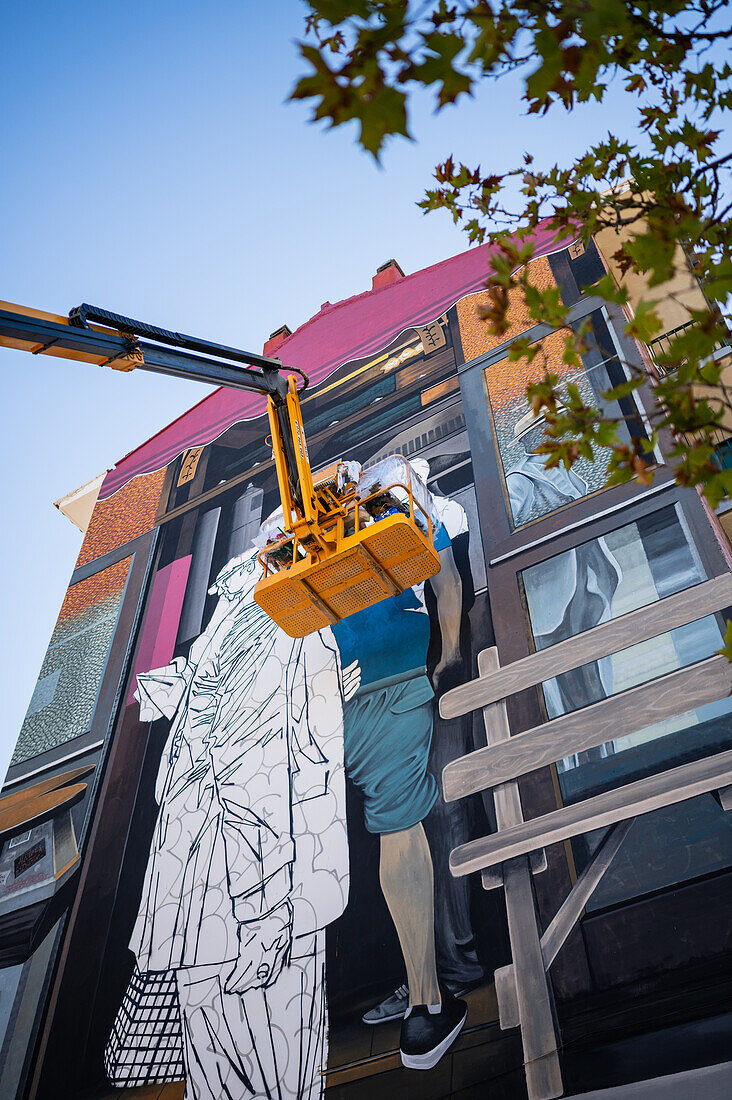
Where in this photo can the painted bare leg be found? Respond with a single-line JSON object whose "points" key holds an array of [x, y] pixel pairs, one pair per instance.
{"points": [[407, 881]]}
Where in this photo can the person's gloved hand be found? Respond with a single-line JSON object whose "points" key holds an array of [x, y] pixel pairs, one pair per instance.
{"points": [[264, 948]]}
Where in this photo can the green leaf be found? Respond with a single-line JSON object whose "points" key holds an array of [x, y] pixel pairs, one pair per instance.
{"points": [[663, 197], [337, 11], [646, 323], [606, 433], [718, 486], [624, 389], [382, 115], [438, 67], [607, 289]]}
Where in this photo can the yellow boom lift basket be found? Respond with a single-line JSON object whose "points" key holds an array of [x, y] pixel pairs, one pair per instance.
{"points": [[341, 551]]}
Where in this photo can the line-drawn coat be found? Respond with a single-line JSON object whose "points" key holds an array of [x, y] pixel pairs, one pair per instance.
{"points": [[250, 846]]}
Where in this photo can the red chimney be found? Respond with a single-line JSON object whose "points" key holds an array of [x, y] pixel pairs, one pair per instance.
{"points": [[390, 272], [276, 338]]}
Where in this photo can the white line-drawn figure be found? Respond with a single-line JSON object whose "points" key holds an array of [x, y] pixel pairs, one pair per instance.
{"points": [[249, 858]]}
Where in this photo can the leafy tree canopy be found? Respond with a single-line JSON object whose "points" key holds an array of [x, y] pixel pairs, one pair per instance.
{"points": [[667, 192]]}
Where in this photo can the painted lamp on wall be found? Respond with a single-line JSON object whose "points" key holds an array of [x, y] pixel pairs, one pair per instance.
{"points": [[39, 859]]}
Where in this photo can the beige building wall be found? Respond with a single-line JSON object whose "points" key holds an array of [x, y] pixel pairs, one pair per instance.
{"points": [[672, 299]]}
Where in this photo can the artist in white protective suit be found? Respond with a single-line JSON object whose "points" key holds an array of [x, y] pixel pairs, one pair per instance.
{"points": [[249, 859]]}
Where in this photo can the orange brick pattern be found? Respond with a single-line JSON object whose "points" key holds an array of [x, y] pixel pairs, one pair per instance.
{"points": [[474, 333], [507, 381], [88, 595], [127, 514]]}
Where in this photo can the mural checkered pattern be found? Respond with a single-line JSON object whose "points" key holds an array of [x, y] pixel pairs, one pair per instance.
{"points": [[146, 1043]]}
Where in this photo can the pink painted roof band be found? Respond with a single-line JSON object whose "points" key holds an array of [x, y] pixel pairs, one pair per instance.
{"points": [[352, 329]]}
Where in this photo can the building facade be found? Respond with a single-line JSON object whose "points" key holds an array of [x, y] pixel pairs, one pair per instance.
{"points": [[536, 557]]}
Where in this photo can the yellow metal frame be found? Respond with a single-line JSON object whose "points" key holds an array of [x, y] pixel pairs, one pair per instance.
{"points": [[338, 565], [313, 522], [125, 363], [349, 566]]}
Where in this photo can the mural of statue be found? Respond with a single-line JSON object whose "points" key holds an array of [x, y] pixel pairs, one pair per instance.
{"points": [[249, 857], [534, 488]]}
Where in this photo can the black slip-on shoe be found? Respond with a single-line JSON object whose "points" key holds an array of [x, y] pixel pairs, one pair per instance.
{"points": [[426, 1035]]}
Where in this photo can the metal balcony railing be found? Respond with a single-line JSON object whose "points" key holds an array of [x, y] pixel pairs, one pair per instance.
{"points": [[721, 439], [662, 345]]}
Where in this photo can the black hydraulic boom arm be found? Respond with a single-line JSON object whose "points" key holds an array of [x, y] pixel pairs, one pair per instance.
{"points": [[137, 345]]}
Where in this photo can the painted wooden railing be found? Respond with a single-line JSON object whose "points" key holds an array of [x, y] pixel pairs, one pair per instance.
{"points": [[510, 856]]}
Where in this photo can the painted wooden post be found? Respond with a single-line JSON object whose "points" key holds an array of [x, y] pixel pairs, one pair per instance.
{"points": [[534, 999]]}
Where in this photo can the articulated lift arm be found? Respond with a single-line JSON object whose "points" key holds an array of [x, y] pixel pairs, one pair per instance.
{"points": [[328, 561], [125, 344]]}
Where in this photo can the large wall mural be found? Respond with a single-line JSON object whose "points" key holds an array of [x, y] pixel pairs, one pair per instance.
{"points": [[249, 856], [268, 909]]}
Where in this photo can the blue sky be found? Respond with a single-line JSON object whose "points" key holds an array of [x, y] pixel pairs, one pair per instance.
{"points": [[151, 165]]}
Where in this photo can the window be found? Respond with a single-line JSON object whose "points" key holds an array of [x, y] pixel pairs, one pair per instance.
{"points": [[533, 490], [599, 580]]}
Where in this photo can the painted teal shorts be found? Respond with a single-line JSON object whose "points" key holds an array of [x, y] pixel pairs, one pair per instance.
{"points": [[387, 732]]}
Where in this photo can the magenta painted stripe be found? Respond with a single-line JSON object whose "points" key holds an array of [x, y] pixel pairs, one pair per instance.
{"points": [[353, 329], [163, 618]]}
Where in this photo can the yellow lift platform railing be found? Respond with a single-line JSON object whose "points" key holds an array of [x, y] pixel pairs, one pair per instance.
{"points": [[342, 551]]}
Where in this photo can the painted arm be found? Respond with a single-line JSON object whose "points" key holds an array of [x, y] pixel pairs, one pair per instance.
{"points": [[448, 589]]}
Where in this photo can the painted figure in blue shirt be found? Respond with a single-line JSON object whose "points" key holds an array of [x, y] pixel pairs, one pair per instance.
{"points": [[388, 724]]}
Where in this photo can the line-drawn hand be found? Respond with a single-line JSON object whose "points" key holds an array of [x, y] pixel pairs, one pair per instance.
{"points": [[264, 948], [351, 680]]}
